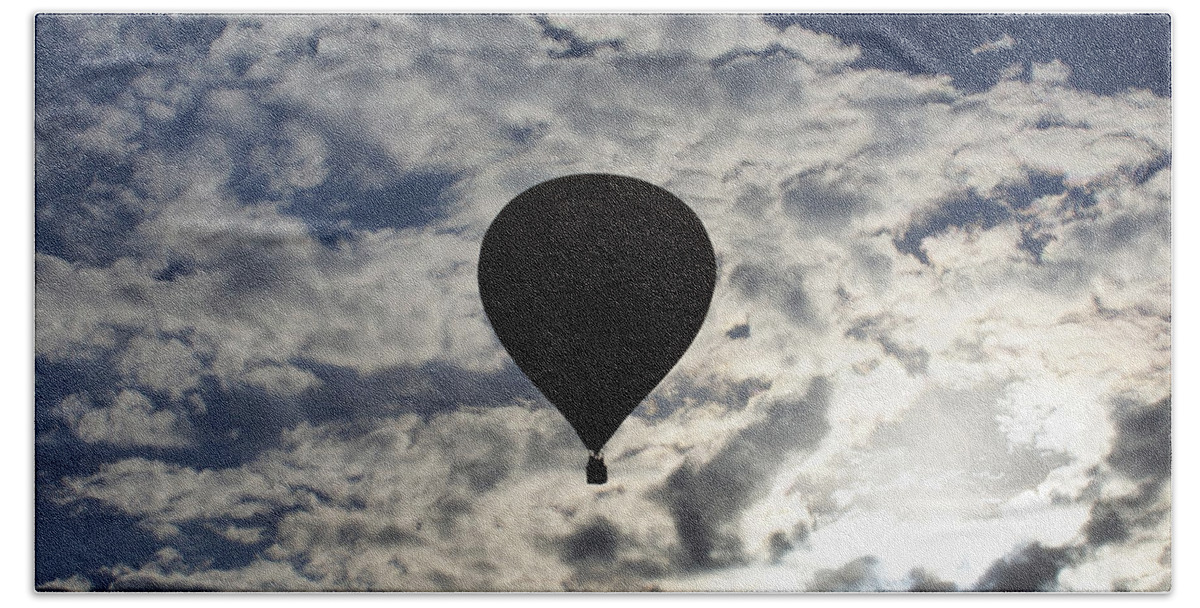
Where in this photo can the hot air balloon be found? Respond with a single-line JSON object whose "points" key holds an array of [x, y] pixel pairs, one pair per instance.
{"points": [[596, 285]]}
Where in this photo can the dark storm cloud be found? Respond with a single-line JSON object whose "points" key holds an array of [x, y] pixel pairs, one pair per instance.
{"points": [[856, 575], [1106, 53], [923, 581], [1034, 567], [1142, 449], [703, 500], [780, 545], [1142, 452], [602, 558], [597, 541]]}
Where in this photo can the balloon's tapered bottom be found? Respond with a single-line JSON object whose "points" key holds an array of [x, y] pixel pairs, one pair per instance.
{"points": [[597, 473]]}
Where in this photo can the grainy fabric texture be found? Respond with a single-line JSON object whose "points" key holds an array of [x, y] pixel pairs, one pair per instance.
{"points": [[937, 355]]}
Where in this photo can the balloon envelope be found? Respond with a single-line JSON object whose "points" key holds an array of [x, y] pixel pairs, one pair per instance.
{"points": [[596, 285]]}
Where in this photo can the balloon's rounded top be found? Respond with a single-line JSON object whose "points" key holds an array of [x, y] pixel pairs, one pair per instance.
{"points": [[596, 284]]}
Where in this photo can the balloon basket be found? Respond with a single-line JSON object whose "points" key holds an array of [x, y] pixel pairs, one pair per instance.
{"points": [[597, 472]]}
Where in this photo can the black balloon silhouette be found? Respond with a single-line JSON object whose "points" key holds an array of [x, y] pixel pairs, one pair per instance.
{"points": [[596, 285]]}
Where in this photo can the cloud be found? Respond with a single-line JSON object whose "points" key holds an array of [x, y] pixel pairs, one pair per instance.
{"points": [[167, 366], [74, 583], [1133, 522], [1141, 451], [914, 360], [925, 582], [168, 571], [705, 500], [129, 420], [822, 201], [406, 504], [339, 495], [246, 536], [975, 49], [604, 558], [857, 575], [281, 381], [1143, 448], [1031, 568], [1002, 43], [267, 227], [1054, 71]]}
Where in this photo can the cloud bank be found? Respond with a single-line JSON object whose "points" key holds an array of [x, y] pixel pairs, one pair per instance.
{"points": [[938, 356]]}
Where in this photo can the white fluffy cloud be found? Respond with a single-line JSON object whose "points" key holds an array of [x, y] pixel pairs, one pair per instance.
{"points": [[975, 278], [129, 420], [484, 499]]}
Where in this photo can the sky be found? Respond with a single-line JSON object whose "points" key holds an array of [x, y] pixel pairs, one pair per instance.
{"points": [[938, 356]]}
